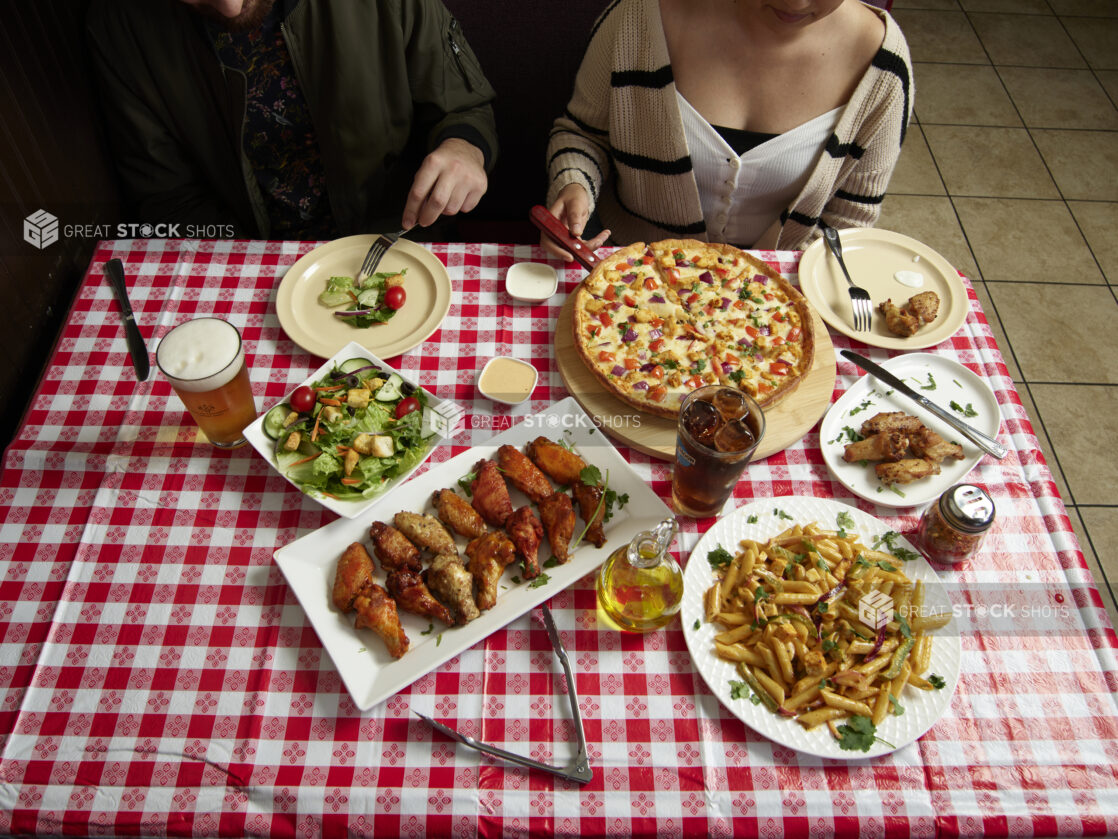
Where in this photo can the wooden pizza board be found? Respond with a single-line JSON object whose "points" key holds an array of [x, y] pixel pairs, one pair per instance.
{"points": [[785, 424]]}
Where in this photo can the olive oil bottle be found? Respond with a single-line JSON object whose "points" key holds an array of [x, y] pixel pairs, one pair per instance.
{"points": [[640, 587]]}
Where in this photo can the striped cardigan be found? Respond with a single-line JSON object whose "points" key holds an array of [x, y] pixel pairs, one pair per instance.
{"points": [[621, 137]]}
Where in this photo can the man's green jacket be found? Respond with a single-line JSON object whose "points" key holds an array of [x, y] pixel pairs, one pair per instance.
{"points": [[385, 82]]}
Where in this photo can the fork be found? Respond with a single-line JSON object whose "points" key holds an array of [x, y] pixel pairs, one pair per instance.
{"points": [[860, 304], [377, 251]]}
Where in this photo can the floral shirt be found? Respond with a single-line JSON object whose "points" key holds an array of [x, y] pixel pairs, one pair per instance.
{"points": [[278, 135]]}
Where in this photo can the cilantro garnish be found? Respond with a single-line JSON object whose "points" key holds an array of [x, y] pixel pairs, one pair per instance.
{"points": [[697, 625], [968, 411], [898, 708], [937, 681], [541, 580], [751, 520], [859, 735], [719, 558], [845, 521], [780, 514], [739, 690]]}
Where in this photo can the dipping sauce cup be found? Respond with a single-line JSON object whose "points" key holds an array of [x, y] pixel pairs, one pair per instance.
{"points": [[718, 431], [204, 360]]}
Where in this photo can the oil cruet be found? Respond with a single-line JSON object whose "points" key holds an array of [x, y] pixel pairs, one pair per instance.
{"points": [[640, 587]]}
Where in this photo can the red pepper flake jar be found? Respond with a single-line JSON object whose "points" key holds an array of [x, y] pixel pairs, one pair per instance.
{"points": [[952, 530]]}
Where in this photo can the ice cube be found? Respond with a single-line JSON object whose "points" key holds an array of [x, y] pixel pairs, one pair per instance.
{"points": [[730, 403], [734, 436], [702, 421]]}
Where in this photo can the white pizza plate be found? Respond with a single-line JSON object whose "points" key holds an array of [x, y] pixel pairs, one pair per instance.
{"points": [[772, 516], [868, 396], [265, 445], [874, 257], [370, 674], [313, 326]]}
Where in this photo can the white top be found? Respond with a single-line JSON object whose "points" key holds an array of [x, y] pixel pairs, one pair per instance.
{"points": [[742, 195]]}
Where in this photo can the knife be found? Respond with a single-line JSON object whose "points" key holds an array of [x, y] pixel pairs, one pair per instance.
{"points": [[114, 273], [554, 229], [987, 444]]}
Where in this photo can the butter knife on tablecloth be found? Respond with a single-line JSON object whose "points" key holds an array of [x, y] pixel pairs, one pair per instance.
{"points": [[114, 272]]}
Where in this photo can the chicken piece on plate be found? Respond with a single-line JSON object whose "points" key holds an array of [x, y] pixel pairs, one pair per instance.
{"points": [[523, 474], [558, 463], [393, 548], [887, 445], [449, 581], [491, 495], [377, 611], [457, 514], [526, 533], [906, 471], [353, 575], [897, 320], [489, 556], [425, 531], [558, 515], [929, 445], [412, 595], [891, 421], [923, 306], [593, 511]]}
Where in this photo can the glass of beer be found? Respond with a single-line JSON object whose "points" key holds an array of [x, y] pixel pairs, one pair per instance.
{"points": [[718, 431], [204, 360]]}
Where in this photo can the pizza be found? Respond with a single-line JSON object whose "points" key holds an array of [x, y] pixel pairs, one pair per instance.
{"points": [[654, 322]]}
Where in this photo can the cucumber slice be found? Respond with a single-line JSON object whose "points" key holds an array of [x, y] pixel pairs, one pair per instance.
{"points": [[390, 390], [351, 365], [273, 420], [368, 297]]}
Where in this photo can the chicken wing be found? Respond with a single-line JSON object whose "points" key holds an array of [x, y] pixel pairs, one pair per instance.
{"points": [[425, 531], [457, 514], [489, 556], [560, 464], [449, 580], [353, 574], [891, 421], [929, 445], [523, 474], [526, 533], [377, 611], [898, 320], [393, 548], [412, 595], [889, 445], [906, 471], [491, 496], [558, 517], [593, 511]]}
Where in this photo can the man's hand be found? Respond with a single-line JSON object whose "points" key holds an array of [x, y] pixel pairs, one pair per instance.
{"points": [[451, 180], [572, 208]]}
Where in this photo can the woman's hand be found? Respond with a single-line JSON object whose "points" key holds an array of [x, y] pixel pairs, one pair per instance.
{"points": [[572, 208]]}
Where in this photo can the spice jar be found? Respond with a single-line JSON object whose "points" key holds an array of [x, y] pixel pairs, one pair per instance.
{"points": [[953, 528]]}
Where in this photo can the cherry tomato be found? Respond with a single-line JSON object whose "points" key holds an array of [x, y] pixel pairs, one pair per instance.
{"points": [[394, 298], [406, 406], [302, 400]]}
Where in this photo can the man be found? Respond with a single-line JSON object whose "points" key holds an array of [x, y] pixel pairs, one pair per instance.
{"points": [[293, 118]]}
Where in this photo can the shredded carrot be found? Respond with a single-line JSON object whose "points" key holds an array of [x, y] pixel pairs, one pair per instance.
{"points": [[327, 388], [351, 482], [307, 459], [314, 431], [333, 402]]}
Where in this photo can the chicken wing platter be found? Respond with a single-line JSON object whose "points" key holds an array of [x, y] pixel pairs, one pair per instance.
{"points": [[458, 552], [885, 449]]}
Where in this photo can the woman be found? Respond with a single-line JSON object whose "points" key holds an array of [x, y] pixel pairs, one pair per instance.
{"points": [[741, 121]]}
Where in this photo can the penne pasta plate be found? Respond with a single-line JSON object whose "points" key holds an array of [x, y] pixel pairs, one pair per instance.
{"points": [[820, 628]]}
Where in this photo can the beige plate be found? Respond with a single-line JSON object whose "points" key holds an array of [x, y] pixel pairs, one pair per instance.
{"points": [[785, 424], [313, 326], [873, 257]]}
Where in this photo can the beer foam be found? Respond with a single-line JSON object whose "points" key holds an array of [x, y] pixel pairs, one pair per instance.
{"points": [[201, 355]]}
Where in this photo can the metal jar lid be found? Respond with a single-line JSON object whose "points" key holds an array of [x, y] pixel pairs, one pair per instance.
{"points": [[967, 507]]}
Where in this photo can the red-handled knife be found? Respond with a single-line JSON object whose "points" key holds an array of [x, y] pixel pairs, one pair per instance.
{"points": [[556, 232]]}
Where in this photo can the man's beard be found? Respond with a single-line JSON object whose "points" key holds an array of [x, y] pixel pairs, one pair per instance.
{"points": [[252, 14]]}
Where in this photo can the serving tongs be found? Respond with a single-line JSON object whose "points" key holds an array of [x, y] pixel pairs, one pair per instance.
{"points": [[579, 769]]}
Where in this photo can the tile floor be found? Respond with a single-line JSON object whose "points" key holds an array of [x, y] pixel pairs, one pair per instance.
{"points": [[1011, 172]]}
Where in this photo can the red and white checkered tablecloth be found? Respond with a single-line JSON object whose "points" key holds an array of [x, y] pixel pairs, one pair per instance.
{"points": [[157, 675]]}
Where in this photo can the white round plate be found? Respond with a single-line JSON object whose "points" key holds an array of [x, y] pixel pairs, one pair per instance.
{"points": [[953, 382], [873, 257], [921, 708], [313, 326]]}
